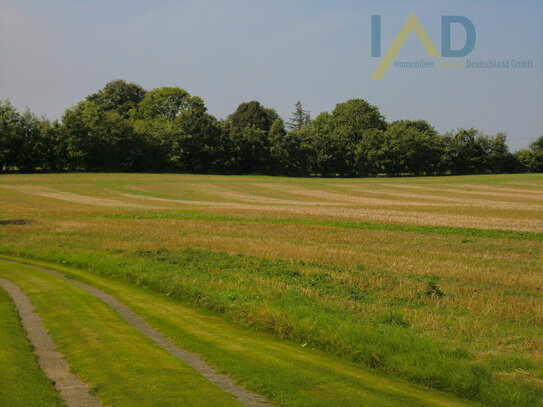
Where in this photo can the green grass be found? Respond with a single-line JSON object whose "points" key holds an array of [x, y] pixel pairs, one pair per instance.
{"points": [[288, 374], [434, 280], [425, 229], [380, 342], [114, 178], [22, 383], [122, 367]]}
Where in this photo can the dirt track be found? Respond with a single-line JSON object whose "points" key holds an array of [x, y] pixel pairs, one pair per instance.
{"points": [[245, 397], [72, 390]]}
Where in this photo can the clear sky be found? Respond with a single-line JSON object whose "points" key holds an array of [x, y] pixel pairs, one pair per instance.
{"points": [[54, 53]]}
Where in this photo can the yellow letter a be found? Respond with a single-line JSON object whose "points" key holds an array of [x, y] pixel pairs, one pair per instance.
{"points": [[412, 24]]}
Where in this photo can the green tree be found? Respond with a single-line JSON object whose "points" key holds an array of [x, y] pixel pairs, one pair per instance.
{"points": [[28, 150], [248, 139], [291, 152], [178, 133], [464, 152], [166, 103], [248, 151], [412, 147], [524, 159], [336, 135], [252, 113], [369, 153], [535, 164], [195, 142], [99, 131], [498, 157], [471, 152], [357, 115], [99, 140], [54, 146], [118, 96], [123, 127], [10, 130], [19, 139], [299, 117]]}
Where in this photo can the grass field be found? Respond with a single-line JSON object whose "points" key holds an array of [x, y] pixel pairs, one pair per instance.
{"points": [[433, 281], [21, 382]]}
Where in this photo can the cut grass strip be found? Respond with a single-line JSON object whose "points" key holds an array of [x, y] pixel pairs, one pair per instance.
{"points": [[288, 374], [74, 392], [122, 367], [190, 276], [426, 229], [222, 381], [22, 383]]}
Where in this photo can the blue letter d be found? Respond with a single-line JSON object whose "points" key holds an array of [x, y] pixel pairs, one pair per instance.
{"points": [[446, 50]]}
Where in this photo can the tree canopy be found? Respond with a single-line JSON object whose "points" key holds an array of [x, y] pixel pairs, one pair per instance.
{"points": [[123, 127], [253, 114]]}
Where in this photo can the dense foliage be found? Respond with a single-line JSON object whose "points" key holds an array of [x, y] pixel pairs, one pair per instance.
{"points": [[125, 128]]}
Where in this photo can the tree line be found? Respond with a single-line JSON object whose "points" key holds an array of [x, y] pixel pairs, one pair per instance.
{"points": [[125, 128]]}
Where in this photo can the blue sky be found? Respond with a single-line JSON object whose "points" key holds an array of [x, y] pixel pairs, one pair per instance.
{"points": [[55, 53]]}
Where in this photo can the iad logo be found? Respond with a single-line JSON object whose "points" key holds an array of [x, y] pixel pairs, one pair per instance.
{"points": [[413, 24]]}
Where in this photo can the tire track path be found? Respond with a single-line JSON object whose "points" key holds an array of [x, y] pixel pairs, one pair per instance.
{"points": [[71, 388], [224, 382]]}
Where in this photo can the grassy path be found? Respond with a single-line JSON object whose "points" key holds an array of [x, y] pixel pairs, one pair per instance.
{"points": [[289, 375], [22, 383], [73, 391], [194, 215], [222, 381], [121, 366]]}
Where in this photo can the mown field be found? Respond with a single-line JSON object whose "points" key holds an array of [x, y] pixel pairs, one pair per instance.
{"points": [[433, 281]]}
